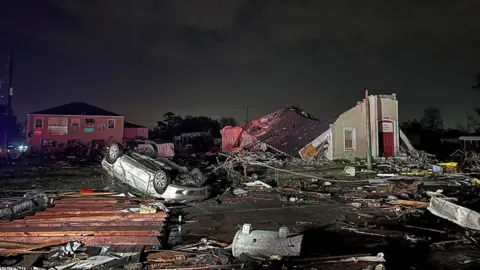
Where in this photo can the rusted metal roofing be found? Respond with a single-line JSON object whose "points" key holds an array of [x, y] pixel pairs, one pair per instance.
{"points": [[287, 130], [92, 220]]}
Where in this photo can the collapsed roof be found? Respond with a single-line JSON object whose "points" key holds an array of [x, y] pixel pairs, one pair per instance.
{"points": [[287, 130]]}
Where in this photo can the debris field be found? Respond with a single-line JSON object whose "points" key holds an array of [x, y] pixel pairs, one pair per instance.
{"points": [[265, 211]]}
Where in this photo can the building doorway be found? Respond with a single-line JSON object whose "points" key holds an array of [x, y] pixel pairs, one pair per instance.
{"points": [[386, 138]]}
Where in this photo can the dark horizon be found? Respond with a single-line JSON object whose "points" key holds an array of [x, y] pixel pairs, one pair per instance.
{"points": [[145, 58]]}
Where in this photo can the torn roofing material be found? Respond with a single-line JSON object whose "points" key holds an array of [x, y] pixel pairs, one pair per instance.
{"points": [[287, 130]]}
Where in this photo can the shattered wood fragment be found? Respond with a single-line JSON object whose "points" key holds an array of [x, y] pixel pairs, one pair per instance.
{"points": [[416, 204], [449, 242], [425, 229], [379, 233], [167, 257]]}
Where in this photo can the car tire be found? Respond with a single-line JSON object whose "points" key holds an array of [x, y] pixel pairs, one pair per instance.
{"points": [[198, 177], [161, 181], [114, 152]]}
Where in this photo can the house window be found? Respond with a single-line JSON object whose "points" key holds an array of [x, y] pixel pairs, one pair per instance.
{"points": [[75, 122], [58, 121], [58, 125], [89, 122], [349, 139], [38, 122], [48, 143], [111, 124], [101, 127]]}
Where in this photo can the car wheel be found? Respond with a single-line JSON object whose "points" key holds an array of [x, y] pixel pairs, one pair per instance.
{"points": [[198, 177], [114, 152], [161, 181]]}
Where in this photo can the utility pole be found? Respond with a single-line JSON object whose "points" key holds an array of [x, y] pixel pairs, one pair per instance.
{"points": [[9, 104], [246, 107], [369, 131], [10, 83]]}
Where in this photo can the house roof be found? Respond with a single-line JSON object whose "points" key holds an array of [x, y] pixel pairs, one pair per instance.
{"points": [[132, 125], [287, 130], [77, 108]]}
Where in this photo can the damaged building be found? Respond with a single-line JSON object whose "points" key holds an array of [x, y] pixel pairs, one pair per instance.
{"points": [[78, 122], [295, 133]]}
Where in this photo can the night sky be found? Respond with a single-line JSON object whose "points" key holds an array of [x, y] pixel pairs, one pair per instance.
{"points": [[211, 57]]}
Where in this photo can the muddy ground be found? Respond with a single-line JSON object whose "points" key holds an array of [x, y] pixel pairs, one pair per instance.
{"points": [[220, 218]]}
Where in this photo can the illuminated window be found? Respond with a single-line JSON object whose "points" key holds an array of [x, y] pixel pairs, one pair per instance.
{"points": [[111, 124], [89, 122], [75, 122], [349, 139], [38, 122]]}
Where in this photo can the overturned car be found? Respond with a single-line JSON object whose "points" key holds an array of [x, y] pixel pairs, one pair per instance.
{"points": [[154, 177]]}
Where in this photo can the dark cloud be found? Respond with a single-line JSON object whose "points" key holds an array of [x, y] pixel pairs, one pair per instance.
{"points": [[268, 52]]}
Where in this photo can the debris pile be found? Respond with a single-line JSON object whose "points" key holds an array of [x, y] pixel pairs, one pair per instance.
{"points": [[117, 224], [414, 160], [471, 161], [300, 213], [12, 208]]}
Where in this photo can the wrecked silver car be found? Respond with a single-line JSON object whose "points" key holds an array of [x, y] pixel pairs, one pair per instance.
{"points": [[154, 177]]}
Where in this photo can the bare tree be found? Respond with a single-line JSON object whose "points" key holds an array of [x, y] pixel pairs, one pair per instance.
{"points": [[432, 119]]}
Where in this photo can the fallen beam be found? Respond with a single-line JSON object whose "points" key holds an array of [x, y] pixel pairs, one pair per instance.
{"points": [[81, 233], [86, 201], [89, 206], [99, 216], [53, 219], [80, 223], [67, 231], [74, 212], [89, 240]]}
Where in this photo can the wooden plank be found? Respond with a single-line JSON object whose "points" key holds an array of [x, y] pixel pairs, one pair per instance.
{"points": [[74, 212], [85, 201], [79, 231], [152, 223], [108, 216], [89, 240], [64, 207]]}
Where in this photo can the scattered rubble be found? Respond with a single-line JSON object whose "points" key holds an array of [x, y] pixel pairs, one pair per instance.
{"points": [[407, 213], [413, 160]]}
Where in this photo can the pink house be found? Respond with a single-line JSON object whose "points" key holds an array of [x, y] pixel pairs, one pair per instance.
{"points": [[71, 123], [132, 131], [230, 136]]}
